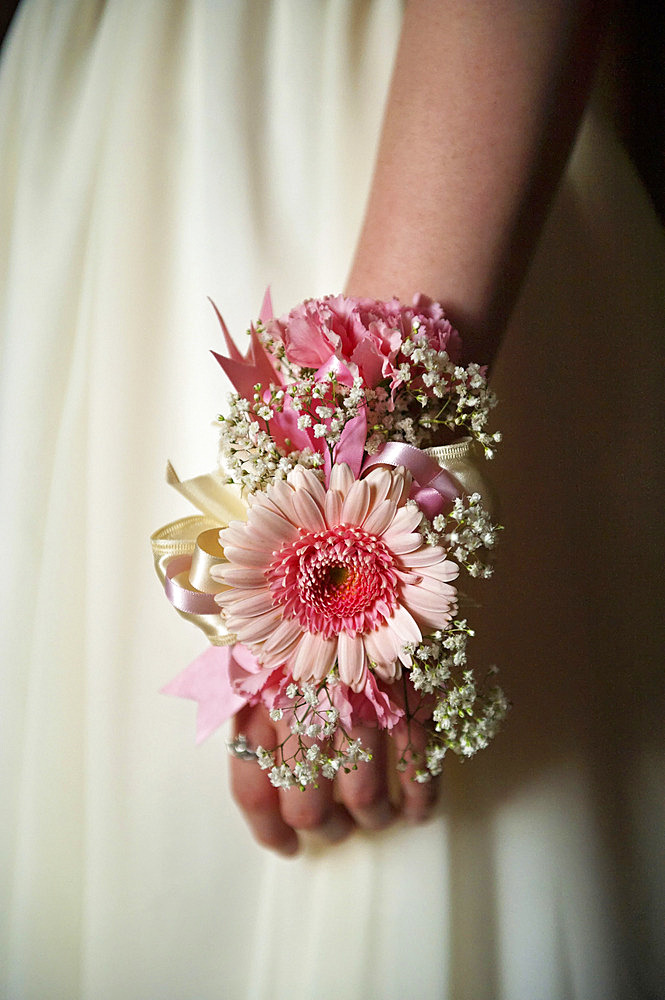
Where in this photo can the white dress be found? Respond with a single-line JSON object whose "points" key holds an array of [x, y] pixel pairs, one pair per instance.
{"points": [[154, 153]]}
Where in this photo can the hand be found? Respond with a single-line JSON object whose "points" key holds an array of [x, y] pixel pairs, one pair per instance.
{"points": [[369, 798]]}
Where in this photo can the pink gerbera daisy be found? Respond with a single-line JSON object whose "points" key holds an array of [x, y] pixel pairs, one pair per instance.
{"points": [[318, 577]]}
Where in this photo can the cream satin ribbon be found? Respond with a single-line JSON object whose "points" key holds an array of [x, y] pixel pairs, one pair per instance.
{"points": [[465, 461], [440, 473], [185, 550], [211, 495]]}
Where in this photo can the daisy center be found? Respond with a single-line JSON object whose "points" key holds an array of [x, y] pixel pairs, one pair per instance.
{"points": [[339, 580], [338, 576]]}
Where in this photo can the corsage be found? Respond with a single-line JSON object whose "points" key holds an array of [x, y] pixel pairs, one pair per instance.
{"points": [[326, 562]]}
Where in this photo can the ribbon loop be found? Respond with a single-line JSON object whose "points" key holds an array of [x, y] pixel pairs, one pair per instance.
{"points": [[434, 488], [174, 547], [207, 553]]}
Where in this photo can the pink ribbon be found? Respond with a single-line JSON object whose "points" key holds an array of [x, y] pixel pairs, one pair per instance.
{"points": [[434, 489], [193, 602], [207, 681], [222, 680]]}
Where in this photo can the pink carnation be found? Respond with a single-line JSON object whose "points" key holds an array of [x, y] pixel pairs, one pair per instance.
{"points": [[361, 332], [340, 576]]}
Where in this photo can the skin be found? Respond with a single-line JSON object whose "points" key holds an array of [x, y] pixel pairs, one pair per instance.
{"points": [[483, 108]]}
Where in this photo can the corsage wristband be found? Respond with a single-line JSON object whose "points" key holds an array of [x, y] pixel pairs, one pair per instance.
{"points": [[324, 564]]}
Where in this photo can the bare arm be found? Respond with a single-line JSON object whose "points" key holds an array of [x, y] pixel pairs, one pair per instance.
{"points": [[484, 103]]}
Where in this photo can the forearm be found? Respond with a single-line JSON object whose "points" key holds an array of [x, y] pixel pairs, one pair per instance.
{"points": [[482, 111]]}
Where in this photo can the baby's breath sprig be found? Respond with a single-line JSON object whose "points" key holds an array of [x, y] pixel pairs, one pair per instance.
{"points": [[248, 455], [465, 716], [307, 752], [467, 532], [448, 395]]}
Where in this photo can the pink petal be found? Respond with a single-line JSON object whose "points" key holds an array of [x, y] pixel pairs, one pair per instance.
{"points": [[316, 488], [426, 601], [238, 576], [234, 594], [389, 672], [379, 481], [351, 660], [382, 645], [271, 527], [356, 503], [379, 517], [433, 585], [400, 486], [282, 496], [428, 609], [404, 543], [333, 508], [250, 606], [429, 555], [406, 519], [341, 478], [315, 657], [444, 570], [308, 511], [306, 479], [255, 558], [404, 626], [387, 714], [307, 344], [233, 535], [256, 629], [286, 633]]}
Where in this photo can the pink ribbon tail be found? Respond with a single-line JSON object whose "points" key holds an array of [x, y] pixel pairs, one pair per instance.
{"points": [[206, 681]]}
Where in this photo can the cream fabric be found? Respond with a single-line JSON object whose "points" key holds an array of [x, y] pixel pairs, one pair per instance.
{"points": [[154, 153]]}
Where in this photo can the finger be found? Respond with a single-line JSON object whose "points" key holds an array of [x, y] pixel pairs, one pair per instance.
{"points": [[365, 791], [312, 809], [251, 788], [418, 798]]}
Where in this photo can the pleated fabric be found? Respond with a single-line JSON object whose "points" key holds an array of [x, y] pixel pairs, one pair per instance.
{"points": [[156, 153]]}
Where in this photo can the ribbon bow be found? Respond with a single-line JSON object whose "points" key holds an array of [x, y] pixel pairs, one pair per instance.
{"points": [[184, 551]]}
